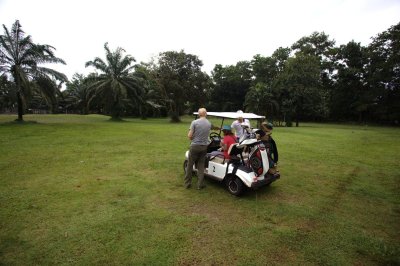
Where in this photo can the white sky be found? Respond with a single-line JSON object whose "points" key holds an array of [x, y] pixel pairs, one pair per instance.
{"points": [[217, 31]]}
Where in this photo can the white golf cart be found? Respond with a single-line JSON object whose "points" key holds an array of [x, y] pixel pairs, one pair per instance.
{"points": [[249, 164]]}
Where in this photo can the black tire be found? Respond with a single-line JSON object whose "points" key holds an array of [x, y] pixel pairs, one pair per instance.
{"points": [[235, 186], [185, 163]]}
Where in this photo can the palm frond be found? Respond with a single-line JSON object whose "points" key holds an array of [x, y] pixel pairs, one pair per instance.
{"points": [[44, 71], [97, 63]]}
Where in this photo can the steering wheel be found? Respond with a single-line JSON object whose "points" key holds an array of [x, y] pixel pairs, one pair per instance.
{"points": [[214, 136]]}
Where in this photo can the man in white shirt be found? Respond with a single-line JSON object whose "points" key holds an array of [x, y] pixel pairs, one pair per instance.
{"points": [[237, 125]]}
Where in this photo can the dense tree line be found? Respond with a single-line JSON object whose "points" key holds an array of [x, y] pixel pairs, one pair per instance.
{"points": [[313, 80]]}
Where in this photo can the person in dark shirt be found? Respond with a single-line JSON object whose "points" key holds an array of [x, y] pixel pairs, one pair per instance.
{"points": [[270, 145]]}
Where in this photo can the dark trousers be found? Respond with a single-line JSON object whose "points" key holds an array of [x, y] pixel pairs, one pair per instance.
{"points": [[197, 155]]}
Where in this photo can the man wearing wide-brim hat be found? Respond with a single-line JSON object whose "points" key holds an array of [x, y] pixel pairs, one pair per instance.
{"points": [[270, 144]]}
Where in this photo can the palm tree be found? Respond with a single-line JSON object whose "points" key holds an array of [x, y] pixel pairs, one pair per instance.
{"points": [[116, 86], [44, 92], [20, 59], [77, 94]]}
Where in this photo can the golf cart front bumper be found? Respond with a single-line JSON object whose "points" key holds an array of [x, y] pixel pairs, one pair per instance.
{"points": [[268, 179]]}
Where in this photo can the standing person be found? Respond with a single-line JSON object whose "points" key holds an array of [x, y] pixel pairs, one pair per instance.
{"points": [[237, 125], [270, 145], [198, 134]]}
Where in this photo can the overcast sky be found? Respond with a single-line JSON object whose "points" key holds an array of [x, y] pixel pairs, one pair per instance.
{"points": [[217, 31]]}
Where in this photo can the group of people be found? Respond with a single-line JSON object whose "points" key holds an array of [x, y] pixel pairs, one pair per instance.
{"points": [[200, 130]]}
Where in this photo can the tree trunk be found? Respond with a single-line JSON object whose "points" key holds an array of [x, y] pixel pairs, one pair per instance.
{"points": [[174, 113], [175, 117], [20, 107], [143, 111]]}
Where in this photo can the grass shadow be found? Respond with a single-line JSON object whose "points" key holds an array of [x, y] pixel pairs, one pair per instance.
{"points": [[117, 120], [19, 122]]}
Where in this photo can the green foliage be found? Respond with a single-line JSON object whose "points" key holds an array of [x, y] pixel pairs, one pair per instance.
{"points": [[353, 83], [299, 85], [317, 44], [116, 85], [181, 81], [81, 190], [384, 74], [265, 69], [77, 95], [231, 84], [152, 99], [264, 97], [260, 99], [8, 94], [20, 59], [352, 97]]}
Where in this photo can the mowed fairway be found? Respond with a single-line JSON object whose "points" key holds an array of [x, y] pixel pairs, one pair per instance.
{"points": [[84, 190]]}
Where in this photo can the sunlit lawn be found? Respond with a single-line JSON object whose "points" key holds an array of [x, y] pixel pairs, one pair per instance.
{"points": [[84, 190]]}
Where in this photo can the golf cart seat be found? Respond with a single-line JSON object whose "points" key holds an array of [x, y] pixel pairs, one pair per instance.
{"points": [[235, 152], [219, 158], [214, 145]]}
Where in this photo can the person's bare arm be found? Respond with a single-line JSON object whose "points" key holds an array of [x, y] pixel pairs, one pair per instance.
{"points": [[263, 127], [190, 134]]}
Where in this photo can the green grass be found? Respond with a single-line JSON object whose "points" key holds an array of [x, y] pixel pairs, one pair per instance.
{"points": [[85, 190]]}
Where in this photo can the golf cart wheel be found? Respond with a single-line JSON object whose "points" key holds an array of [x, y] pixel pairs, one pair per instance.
{"points": [[235, 185], [185, 163]]}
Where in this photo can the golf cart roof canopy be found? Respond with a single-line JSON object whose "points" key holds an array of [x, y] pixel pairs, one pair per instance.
{"points": [[233, 115]]}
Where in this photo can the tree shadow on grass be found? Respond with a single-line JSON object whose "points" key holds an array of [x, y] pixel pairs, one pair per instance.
{"points": [[19, 122], [117, 120]]}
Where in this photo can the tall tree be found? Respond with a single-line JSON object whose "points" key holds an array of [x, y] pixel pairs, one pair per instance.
{"points": [[264, 69], [351, 97], [317, 44], [20, 59], [261, 99], [183, 83], [383, 74], [299, 83], [47, 93], [152, 99], [231, 84], [116, 85], [77, 94], [281, 55], [262, 96]]}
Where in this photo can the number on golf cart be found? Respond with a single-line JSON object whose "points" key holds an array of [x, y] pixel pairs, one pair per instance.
{"points": [[213, 168]]}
